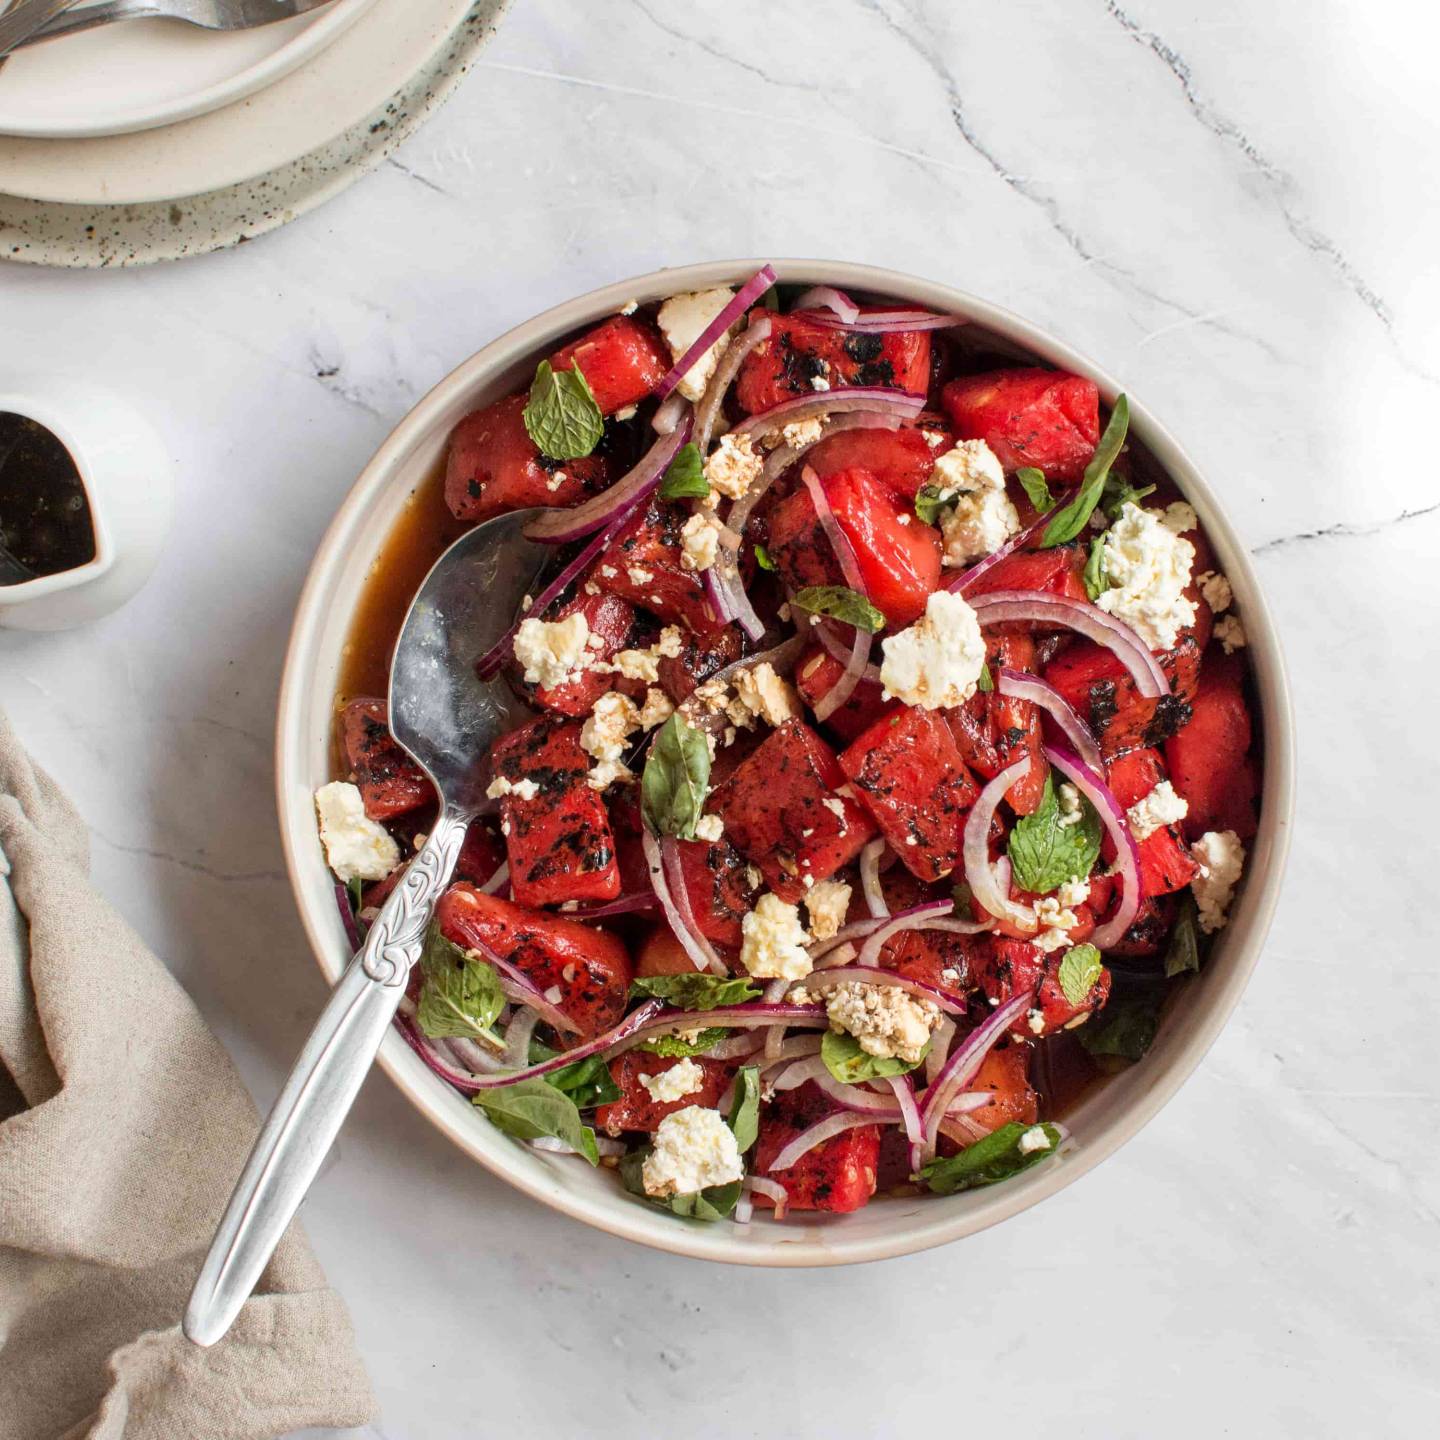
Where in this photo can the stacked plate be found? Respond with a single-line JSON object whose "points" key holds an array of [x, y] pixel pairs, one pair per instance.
{"points": [[150, 139]]}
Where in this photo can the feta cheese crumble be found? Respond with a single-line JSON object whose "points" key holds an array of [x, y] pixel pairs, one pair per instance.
{"points": [[936, 663], [710, 828], [887, 1021], [644, 664], [981, 517], [802, 432], [1216, 589], [826, 906], [356, 847], [611, 722], [760, 692], [520, 789], [1071, 811], [693, 1149], [682, 319], [733, 466], [1033, 1139], [699, 541], [1180, 517], [1230, 633], [1148, 567], [773, 941], [1163, 806], [1221, 857], [553, 651], [681, 1079]]}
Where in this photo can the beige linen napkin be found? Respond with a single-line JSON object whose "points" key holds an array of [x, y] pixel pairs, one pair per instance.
{"points": [[123, 1126]]}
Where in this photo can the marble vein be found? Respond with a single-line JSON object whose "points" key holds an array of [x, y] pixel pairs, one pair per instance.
{"points": [[1346, 530]]}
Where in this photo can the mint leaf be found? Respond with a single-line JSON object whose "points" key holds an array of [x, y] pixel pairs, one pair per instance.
{"points": [[716, 1203], [1079, 971], [931, 501], [676, 779], [1096, 582], [1044, 853], [562, 415], [850, 1065], [1072, 519], [530, 1109], [1036, 490], [673, 1047], [997, 1157], [460, 996], [1126, 1026], [685, 476], [1183, 952], [694, 991], [1118, 493], [841, 603], [744, 1117], [986, 683], [762, 557], [587, 1082]]}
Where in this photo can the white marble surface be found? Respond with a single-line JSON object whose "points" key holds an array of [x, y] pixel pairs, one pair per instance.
{"points": [[1231, 206]]}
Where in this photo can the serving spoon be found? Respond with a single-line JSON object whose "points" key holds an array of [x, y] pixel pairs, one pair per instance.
{"points": [[444, 717]]}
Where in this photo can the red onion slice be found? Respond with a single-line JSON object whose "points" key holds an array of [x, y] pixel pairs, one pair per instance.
{"points": [[821, 980], [904, 920], [855, 667], [890, 322], [519, 987], [975, 849], [517, 1037], [839, 540], [817, 1134], [625, 905], [1112, 813], [832, 402], [839, 650], [1021, 685], [498, 880], [870, 879], [702, 956], [777, 1194], [941, 1038], [756, 1013], [756, 333], [559, 527], [347, 918], [826, 297], [1060, 610], [904, 1088], [738, 304]]}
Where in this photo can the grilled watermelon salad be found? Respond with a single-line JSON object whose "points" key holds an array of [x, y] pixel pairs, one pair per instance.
{"points": [[891, 742]]}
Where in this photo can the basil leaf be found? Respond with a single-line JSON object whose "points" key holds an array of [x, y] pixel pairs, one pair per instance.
{"points": [[1096, 582], [716, 1203], [841, 603], [1036, 490], [762, 557], [1044, 853], [530, 1109], [1079, 971], [685, 476], [694, 991], [1118, 493], [676, 779], [849, 1064], [1183, 952], [562, 415], [355, 889], [986, 683], [672, 1047], [997, 1157], [1072, 519], [459, 996], [1126, 1026], [587, 1082], [744, 1117], [931, 501]]}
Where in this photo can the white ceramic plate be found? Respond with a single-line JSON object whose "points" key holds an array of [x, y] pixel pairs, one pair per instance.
{"points": [[145, 73], [1107, 1116], [304, 110], [87, 236]]}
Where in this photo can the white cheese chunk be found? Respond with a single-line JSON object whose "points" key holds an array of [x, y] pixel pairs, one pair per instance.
{"points": [[826, 906], [733, 466], [888, 1022], [683, 1078], [682, 318], [1221, 857], [1163, 806], [773, 941], [699, 541], [553, 651], [1230, 633], [980, 517], [936, 663], [1148, 567], [356, 847], [693, 1149]]}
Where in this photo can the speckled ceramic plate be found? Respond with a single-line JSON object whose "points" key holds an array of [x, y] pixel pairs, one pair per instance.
{"points": [[155, 218]]}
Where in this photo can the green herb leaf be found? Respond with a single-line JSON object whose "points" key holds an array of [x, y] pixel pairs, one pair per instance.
{"points": [[562, 414], [762, 557], [1096, 582], [685, 476], [460, 996], [1126, 1026], [530, 1109], [355, 889], [676, 779], [841, 603], [986, 683], [1182, 955], [1072, 519], [1118, 493], [744, 1117], [587, 1082], [1036, 490], [1044, 853], [997, 1157], [932, 500], [674, 1048], [716, 1203], [694, 991], [1079, 971], [849, 1064]]}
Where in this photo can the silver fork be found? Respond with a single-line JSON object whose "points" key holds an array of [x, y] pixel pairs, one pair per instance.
{"points": [[207, 14]]}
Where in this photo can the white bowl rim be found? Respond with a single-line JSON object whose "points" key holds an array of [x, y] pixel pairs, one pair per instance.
{"points": [[937, 1221]]}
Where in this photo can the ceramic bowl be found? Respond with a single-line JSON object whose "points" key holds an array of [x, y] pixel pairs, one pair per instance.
{"points": [[1106, 1117]]}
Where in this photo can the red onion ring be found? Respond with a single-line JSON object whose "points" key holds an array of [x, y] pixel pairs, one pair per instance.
{"points": [[559, 527], [817, 1134], [1129, 649], [756, 333], [855, 667], [625, 905], [1021, 685], [839, 540], [975, 850], [498, 880], [1112, 813], [755, 1013], [347, 918], [904, 1088], [906, 919], [668, 413], [826, 297], [838, 649], [738, 304], [890, 322], [941, 1038], [702, 956], [519, 987], [517, 1036], [823, 403], [463, 1080]]}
